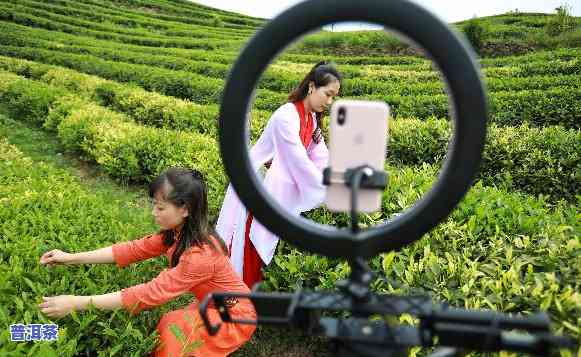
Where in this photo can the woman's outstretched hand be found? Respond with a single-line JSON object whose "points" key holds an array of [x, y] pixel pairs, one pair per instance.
{"points": [[60, 306], [55, 257]]}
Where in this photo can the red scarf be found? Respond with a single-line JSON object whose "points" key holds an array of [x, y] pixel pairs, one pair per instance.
{"points": [[306, 129]]}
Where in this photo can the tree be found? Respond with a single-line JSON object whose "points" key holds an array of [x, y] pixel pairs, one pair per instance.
{"points": [[561, 22], [475, 33]]}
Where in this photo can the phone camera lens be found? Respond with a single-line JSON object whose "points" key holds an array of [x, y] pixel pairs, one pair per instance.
{"points": [[341, 116]]}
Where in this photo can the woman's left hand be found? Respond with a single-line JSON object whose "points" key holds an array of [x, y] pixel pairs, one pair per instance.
{"points": [[59, 306]]}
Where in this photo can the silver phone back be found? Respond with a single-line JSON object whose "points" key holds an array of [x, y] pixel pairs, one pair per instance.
{"points": [[361, 139]]}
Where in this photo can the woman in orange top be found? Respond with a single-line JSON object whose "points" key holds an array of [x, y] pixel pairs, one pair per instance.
{"points": [[198, 264]]}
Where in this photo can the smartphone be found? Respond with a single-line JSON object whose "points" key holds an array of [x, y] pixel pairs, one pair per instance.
{"points": [[357, 136]]}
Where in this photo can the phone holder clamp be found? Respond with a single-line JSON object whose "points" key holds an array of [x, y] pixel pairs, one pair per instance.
{"points": [[363, 176], [371, 179]]}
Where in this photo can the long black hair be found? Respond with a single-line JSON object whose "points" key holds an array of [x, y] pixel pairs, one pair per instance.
{"points": [[321, 74], [185, 187]]}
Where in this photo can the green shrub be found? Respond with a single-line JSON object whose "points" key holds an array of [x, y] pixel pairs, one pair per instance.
{"points": [[133, 153], [561, 22], [537, 161], [71, 80], [24, 68], [29, 100], [533, 160], [62, 108], [571, 38], [475, 33], [44, 208], [553, 106], [70, 24], [6, 79], [217, 21], [498, 250], [75, 130], [106, 93], [538, 107], [17, 35]]}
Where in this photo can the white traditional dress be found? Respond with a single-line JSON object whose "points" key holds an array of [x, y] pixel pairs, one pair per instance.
{"points": [[294, 179]]}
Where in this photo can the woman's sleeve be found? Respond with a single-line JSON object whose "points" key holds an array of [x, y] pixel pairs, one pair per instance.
{"points": [[126, 253], [319, 155], [263, 150], [193, 269], [260, 153], [293, 156]]}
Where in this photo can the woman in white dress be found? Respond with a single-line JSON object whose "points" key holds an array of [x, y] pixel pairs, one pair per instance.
{"points": [[294, 151]]}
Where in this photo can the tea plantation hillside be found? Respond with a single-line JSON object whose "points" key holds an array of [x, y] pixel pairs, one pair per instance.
{"points": [[492, 36], [98, 97]]}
